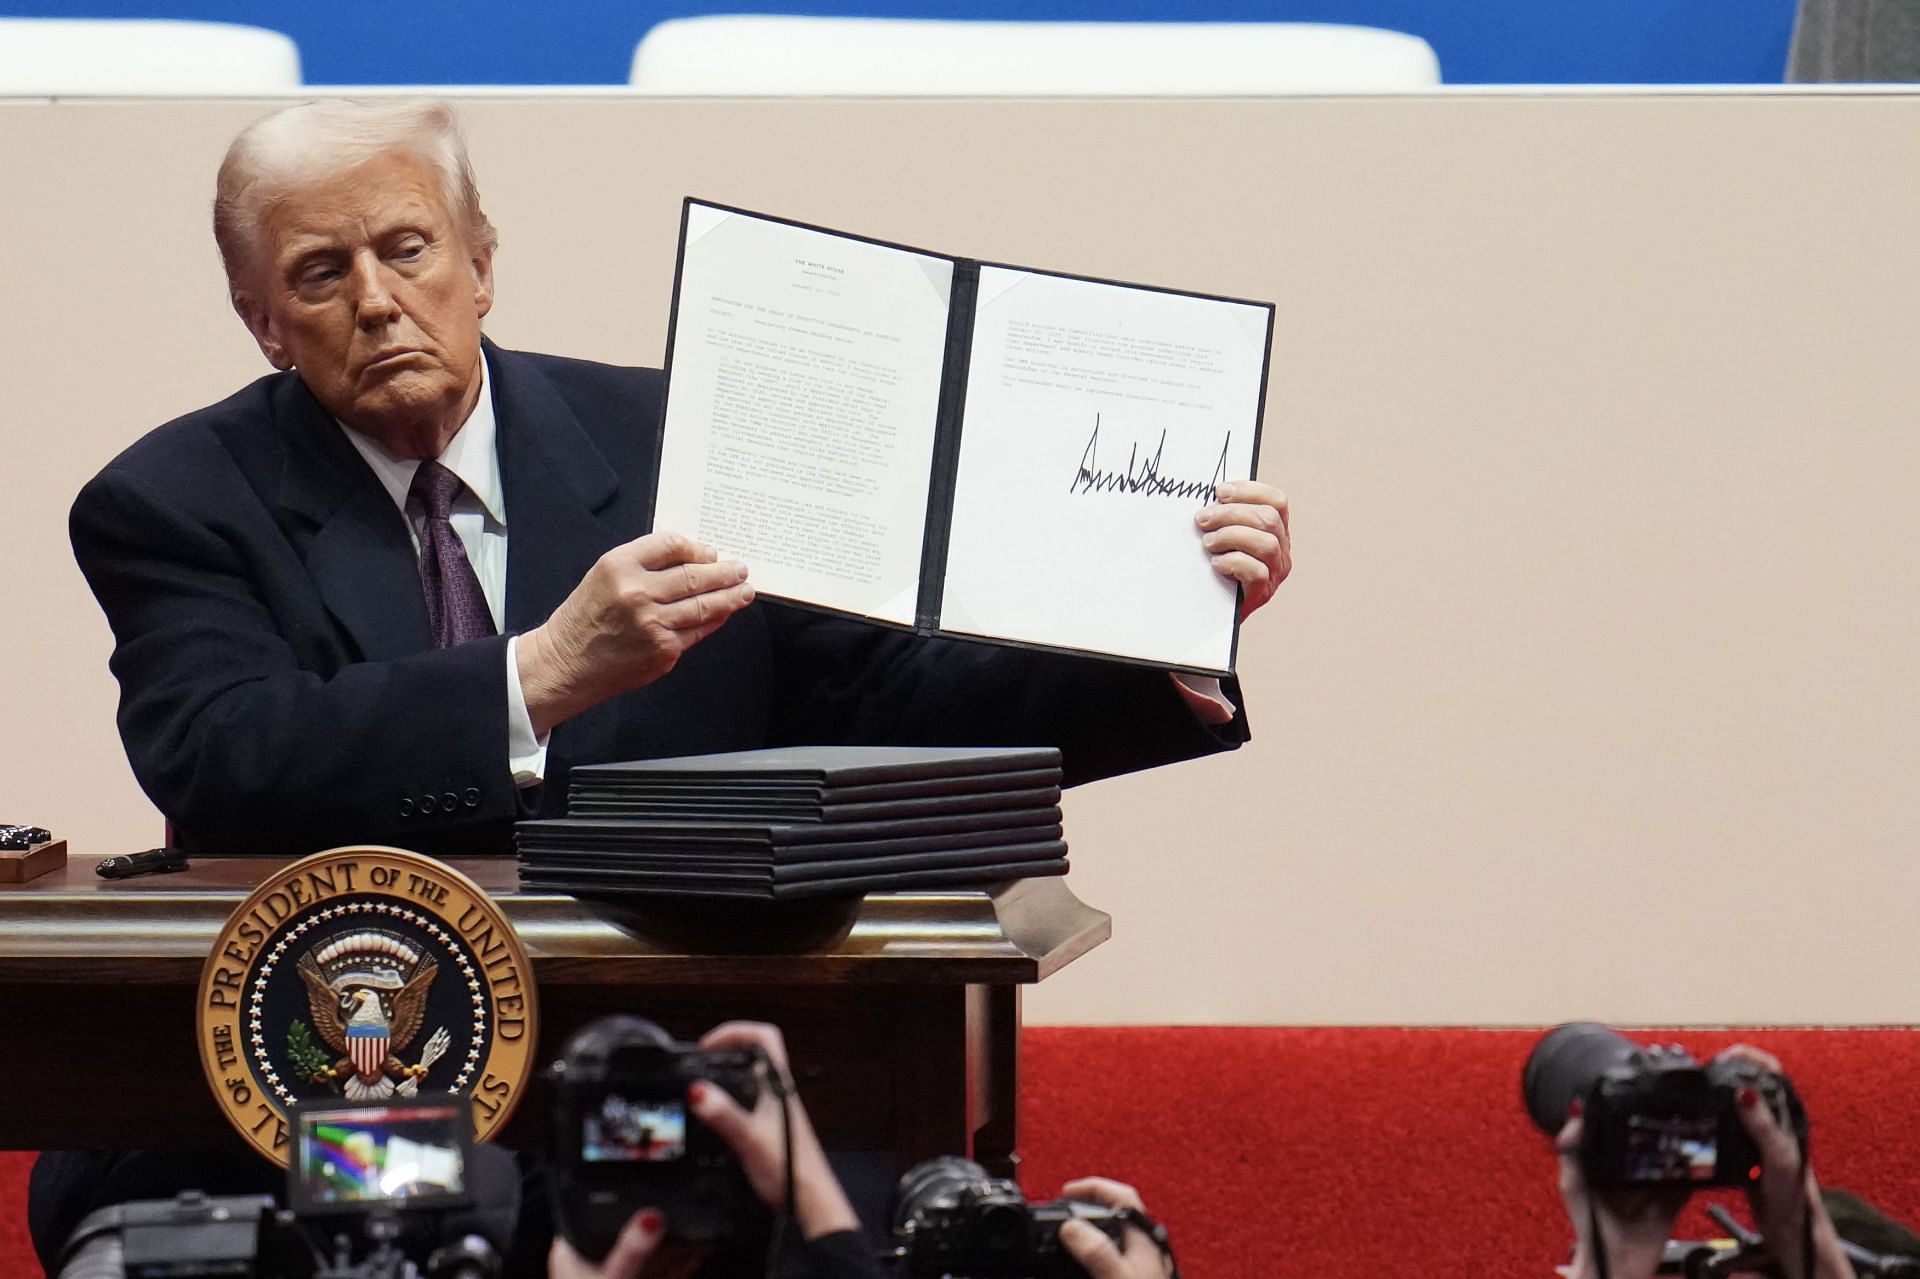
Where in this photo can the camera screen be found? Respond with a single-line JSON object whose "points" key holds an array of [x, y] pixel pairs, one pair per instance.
{"points": [[374, 1154], [1672, 1148], [622, 1131]]}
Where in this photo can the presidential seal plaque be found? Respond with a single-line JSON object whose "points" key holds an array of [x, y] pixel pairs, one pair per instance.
{"points": [[363, 973]]}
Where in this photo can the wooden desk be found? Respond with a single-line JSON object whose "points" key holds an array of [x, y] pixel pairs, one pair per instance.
{"points": [[902, 1011]]}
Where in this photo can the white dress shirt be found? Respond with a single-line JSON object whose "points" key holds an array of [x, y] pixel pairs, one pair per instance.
{"points": [[479, 516]]}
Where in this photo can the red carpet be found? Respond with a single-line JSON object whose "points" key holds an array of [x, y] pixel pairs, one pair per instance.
{"points": [[16, 1250], [1334, 1153]]}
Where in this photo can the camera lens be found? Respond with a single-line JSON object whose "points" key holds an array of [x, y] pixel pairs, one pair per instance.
{"points": [[944, 1177], [1564, 1064]]}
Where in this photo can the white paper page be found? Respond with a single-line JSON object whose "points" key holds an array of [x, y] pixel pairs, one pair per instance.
{"points": [[801, 406], [1098, 419]]}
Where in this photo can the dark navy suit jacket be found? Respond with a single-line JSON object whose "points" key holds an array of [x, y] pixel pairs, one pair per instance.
{"points": [[279, 687]]}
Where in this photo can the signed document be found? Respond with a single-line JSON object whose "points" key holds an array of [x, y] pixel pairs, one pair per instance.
{"points": [[955, 446]]}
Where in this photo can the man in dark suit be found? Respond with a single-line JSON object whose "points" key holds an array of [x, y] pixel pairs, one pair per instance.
{"points": [[309, 656], [323, 638]]}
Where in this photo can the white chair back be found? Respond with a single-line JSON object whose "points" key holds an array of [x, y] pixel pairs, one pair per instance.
{"points": [[42, 57], [885, 57]]}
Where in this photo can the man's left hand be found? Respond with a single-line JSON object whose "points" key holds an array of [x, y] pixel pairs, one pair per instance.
{"points": [[1245, 531]]}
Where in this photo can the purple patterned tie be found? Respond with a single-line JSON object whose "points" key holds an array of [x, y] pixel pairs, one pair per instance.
{"points": [[456, 606]]}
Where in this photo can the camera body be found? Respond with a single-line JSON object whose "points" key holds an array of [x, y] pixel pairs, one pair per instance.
{"points": [[382, 1178], [951, 1219], [623, 1138], [186, 1237], [1666, 1118], [1654, 1116]]}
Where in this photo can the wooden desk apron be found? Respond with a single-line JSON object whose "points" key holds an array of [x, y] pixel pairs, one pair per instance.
{"points": [[902, 1011]]}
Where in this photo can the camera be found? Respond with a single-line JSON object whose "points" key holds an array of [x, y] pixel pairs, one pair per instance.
{"points": [[623, 1138], [1653, 1116], [383, 1177], [190, 1236], [369, 1158], [953, 1221]]}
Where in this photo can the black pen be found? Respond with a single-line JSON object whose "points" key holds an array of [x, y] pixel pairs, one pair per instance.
{"points": [[154, 861]]}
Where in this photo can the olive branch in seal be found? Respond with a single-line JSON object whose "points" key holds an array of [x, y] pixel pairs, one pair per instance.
{"points": [[308, 1057]]}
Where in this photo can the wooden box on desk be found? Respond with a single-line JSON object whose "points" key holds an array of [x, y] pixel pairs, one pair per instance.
{"points": [[18, 865]]}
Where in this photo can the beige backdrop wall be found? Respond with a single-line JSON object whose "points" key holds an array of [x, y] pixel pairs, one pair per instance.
{"points": [[1595, 691]]}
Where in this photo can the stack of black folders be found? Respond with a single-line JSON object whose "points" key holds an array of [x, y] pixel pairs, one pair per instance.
{"points": [[802, 822]]}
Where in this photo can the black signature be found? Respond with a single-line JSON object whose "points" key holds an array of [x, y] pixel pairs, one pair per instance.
{"points": [[1142, 476]]}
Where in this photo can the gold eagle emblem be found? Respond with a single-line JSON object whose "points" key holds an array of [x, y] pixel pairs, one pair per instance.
{"points": [[367, 994]]}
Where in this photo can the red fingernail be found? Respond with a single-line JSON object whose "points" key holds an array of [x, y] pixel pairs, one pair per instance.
{"points": [[1748, 1097], [697, 1091], [1574, 1108], [651, 1221]]}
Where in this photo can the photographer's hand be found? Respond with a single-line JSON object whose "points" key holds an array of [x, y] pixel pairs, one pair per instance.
{"points": [[1090, 1246], [635, 1253], [758, 1137], [1634, 1225], [1786, 1203]]}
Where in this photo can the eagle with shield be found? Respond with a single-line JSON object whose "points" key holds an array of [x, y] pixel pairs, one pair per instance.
{"points": [[367, 994]]}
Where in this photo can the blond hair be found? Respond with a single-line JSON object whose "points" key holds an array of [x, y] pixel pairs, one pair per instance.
{"points": [[303, 144]]}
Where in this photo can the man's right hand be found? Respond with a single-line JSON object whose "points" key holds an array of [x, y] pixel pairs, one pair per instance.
{"points": [[626, 624]]}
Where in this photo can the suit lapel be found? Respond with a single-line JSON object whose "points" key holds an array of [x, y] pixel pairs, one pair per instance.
{"points": [[360, 556], [555, 481]]}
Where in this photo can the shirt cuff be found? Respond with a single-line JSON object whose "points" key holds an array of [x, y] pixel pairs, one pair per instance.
{"points": [[1202, 693], [526, 754]]}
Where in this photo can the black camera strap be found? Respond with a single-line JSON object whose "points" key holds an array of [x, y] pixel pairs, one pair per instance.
{"points": [[782, 1089]]}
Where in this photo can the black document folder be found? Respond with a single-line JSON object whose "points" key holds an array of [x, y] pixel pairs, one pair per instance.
{"points": [[606, 870], [764, 888], [573, 832], [894, 434], [831, 767], [775, 823], [614, 851], [719, 790], [589, 805]]}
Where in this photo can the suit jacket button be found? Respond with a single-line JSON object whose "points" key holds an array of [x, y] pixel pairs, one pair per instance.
{"points": [[473, 797], [406, 807], [449, 802], [427, 803]]}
